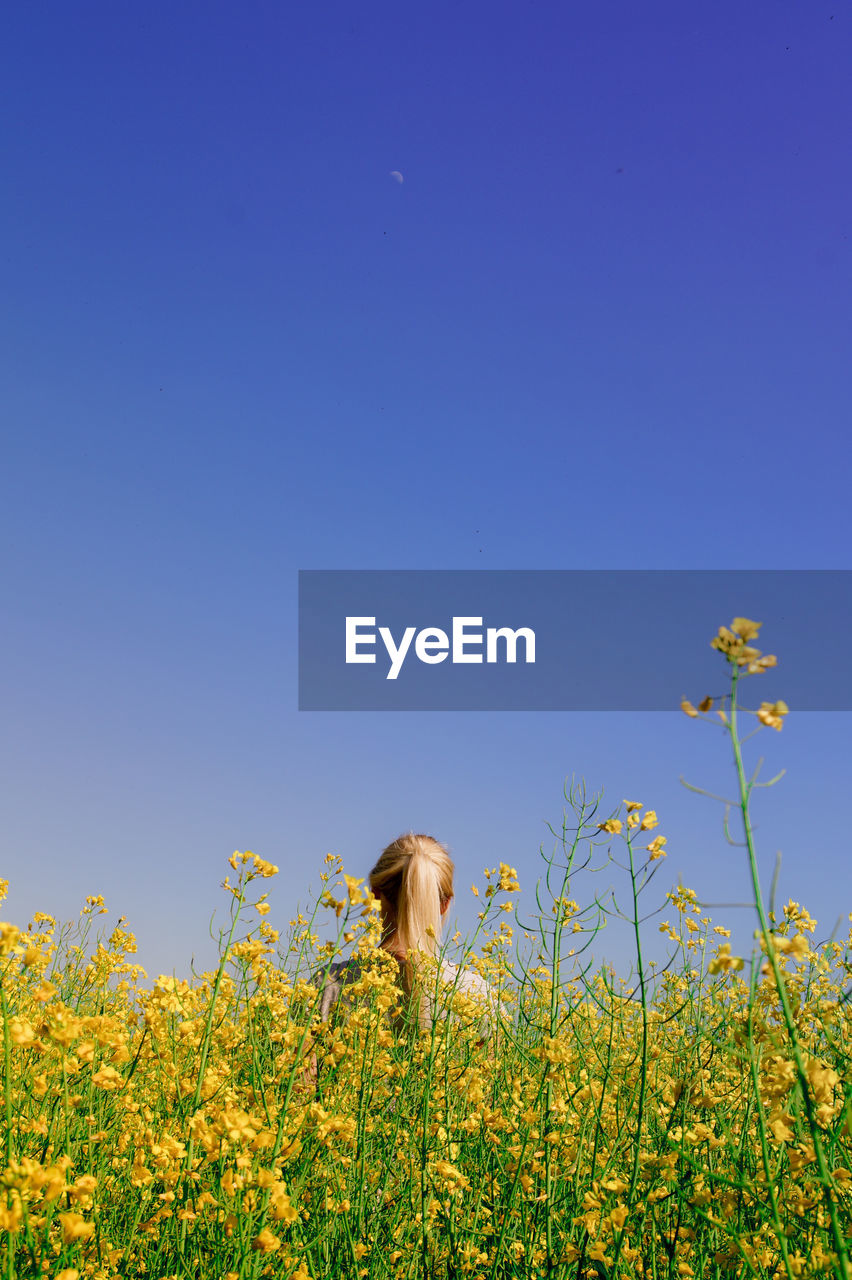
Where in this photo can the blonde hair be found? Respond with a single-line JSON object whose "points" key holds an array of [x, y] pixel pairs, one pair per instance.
{"points": [[414, 876]]}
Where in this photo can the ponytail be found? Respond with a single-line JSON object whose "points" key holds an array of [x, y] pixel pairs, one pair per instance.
{"points": [[414, 875]]}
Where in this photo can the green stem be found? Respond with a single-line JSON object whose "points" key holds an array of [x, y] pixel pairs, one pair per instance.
{"points": [[643, 1078], [841, 1266], [205, 1048], [7, 1076], [7, 1093]]}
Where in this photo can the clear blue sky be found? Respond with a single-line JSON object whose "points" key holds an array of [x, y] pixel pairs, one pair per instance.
{"points": [[603, 322]]}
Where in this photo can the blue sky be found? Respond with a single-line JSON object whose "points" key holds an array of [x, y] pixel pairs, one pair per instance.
{"points": [[603, 322]]}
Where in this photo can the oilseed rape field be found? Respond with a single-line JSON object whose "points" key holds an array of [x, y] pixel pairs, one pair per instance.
{"points": [[694, 1121]]}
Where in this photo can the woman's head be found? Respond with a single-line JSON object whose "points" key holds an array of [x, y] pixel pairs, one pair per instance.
{"points": [[414, 881]]}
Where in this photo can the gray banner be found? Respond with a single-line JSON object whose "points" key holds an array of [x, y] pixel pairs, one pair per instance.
{"points": [[566, 640]]}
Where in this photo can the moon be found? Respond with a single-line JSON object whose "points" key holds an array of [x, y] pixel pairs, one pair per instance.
{"points": [[397, 176]]}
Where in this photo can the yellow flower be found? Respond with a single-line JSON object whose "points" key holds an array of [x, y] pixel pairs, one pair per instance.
{"points": [[781, 1131], [655, 848], [264, 869], [281, 1208], [618, 1216], [649, 821], [770, 713], [74, 1227], [796, 947], [725, 641], [762, 664], [508, 879], [612, 826], [687, 708], [724, 961], [824, 1080], [732, 642], [11, 1216], [353, 888], [630, 805], [107, 1078], [9, 935], [85, 1185], [265, 1242], [745, 628], [21, 1031]]}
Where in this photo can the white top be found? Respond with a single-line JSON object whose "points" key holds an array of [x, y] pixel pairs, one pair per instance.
{"points": [[456, 982]]}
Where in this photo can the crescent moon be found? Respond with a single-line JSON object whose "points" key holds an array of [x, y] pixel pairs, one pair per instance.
{"points": [[397, 176]]}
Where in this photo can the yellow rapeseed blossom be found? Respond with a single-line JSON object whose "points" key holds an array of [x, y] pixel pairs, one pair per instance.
{"points": [[745, 628], [9, 935], [354, 890], [508, 882], [107, 1078], [655, 848], [762, 663], [618, 1216], [723, 961], [797, 946], [74, 1227], [771, 713], [732, 642], [263, 869], [266, 1242]]}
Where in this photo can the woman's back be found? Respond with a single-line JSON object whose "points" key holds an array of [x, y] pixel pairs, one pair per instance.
{"points": [[475, 1002]]}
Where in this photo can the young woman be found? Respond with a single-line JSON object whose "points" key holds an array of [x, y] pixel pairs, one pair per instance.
{"points": [[413, 880]]}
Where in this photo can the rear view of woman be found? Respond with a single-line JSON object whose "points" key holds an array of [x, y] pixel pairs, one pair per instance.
{"points": [[413, 880]]}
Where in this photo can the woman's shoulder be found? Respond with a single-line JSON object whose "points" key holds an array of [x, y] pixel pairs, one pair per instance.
{"points": [[464, 979], [478, 993], [333, 981]]}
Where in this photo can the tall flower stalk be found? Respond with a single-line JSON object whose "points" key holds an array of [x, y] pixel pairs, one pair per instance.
{"points": [[745, 660]]}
